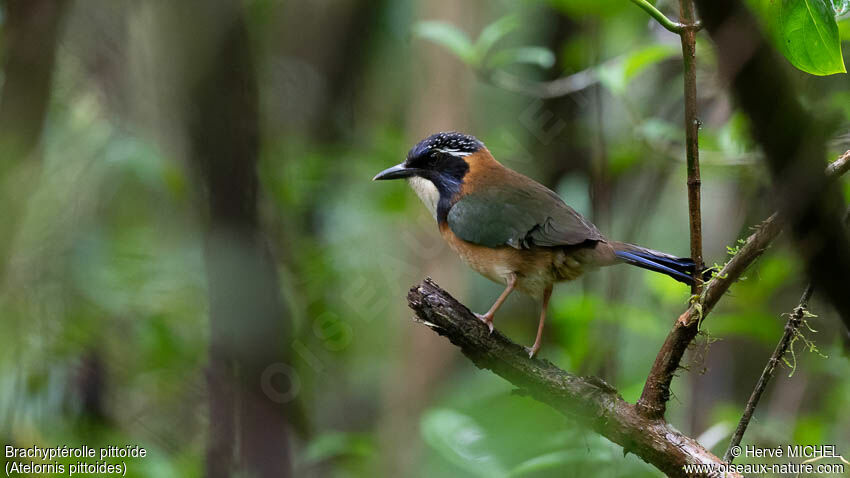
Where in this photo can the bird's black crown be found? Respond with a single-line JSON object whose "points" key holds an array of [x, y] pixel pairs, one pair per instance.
{"points": [[446, 143]]}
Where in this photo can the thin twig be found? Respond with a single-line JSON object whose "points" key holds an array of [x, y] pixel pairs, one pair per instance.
{"points": [[588, 400], [543, 89], [791, 328], [839, 166], [656, 391], [665, 22]]}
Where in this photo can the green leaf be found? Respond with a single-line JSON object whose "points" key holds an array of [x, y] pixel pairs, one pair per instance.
{"points": [[658, 131], [638, 61], [844, 29], [448, 36], [494, 32], [585, 8], [806, 32], [475, 55], [336, 444], [530, 55], [458, 439], [734, 136], [617, 75], [558, 459]]}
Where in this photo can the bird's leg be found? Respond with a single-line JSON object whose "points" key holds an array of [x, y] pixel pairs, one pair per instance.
{"points": [[488, 317], [534, 348]]}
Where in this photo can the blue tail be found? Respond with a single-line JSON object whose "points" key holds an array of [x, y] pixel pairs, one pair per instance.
{"points": [[680, 268]]}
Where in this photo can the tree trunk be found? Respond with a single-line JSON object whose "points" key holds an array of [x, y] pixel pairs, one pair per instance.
{"points": [[247, 375]]}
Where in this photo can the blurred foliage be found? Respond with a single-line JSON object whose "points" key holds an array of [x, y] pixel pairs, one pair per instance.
{"points": [[805, 31], [107, 262], [480, 54]]}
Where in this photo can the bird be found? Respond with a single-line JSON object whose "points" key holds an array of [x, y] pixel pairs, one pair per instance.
{"points": [[512, 229]]}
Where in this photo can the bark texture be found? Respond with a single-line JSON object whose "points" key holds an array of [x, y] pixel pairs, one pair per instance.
{"points": [[589, 400]]}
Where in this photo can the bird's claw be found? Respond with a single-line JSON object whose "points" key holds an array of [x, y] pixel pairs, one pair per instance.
{"points": [[532, 351], [487, 320]]}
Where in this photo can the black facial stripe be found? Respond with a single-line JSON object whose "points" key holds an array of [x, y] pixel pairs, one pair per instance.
{"points": [[453, 167], [448, 186], [441, 158]]}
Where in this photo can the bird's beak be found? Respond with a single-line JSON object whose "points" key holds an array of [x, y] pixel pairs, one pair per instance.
{"points": [[396, 172]]}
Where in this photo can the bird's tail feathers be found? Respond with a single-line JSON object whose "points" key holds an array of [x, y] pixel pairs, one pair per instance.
{"points": [[680, 268]]}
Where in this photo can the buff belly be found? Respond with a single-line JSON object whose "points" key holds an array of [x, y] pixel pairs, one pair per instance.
{"points": [[535, 268]]}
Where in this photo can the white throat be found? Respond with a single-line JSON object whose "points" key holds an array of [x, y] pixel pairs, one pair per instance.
{"points": [[427, 192]]}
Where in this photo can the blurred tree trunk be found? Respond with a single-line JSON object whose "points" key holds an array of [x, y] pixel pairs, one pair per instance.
{"points": [[570, 154], [247, 373], [30, 36], [327, 48], [345, 62], [31, 31]]}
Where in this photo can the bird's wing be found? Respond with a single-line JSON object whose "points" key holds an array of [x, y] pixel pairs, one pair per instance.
{"points": [[521, 215]]}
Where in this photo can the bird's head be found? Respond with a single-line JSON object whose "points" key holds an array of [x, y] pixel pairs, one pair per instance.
{"points": [[441, 156], [436, 166]]}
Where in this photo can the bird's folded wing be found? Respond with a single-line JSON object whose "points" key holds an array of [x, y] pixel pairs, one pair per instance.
{"points": [[519, 216]]}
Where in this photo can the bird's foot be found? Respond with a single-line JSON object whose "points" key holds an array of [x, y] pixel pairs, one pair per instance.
{"points": [[684, 319], [532, 351], [487, 319]]}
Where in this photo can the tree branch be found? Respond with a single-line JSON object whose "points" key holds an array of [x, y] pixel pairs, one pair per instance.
{"points": [[689, 62], [791, 328], [793, 142], [656, 391], [665, 22], [639, 428], [589, 400], [543, 89]]}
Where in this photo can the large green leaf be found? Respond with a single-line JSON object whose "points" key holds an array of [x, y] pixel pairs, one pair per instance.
{"points": [[336, 444], [806, 32], [460, 440], [447, 35], [616, 75], [529, 55], [562, 459], [584, 8], [844, 29], [494, 32], [480, 54]]}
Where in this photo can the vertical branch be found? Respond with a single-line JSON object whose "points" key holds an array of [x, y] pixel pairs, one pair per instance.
{"points": [[656, 391], [791, 328], [688, 37]]}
